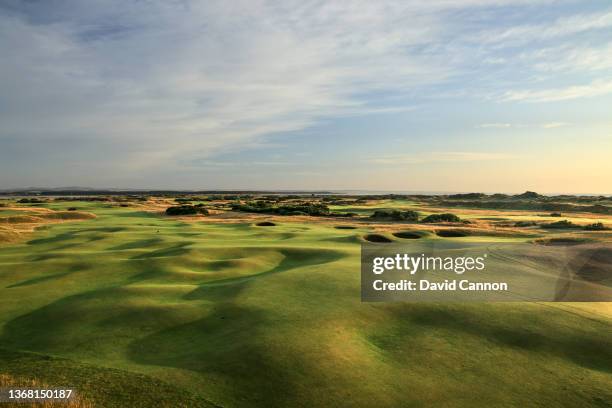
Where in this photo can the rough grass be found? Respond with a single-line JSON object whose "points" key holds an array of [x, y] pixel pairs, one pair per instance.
{"points": [[94, 386], [567, 240], [7, 381]]}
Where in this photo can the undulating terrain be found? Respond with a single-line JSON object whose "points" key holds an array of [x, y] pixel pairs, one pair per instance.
{"points": [[255, 301]]}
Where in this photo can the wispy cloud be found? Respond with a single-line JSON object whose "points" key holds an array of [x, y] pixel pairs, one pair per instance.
{"points": [[570, 58], [132, 86], [548, 125], [554, 125], [494, 125], [433, 157], [595, 88], [561, 27]]}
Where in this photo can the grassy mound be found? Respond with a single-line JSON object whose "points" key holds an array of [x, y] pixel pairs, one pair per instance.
{"points": [[562, 241], [69, 215], [96, 386], [140, 310], [593, 263], [21, 219], [76, 401]]}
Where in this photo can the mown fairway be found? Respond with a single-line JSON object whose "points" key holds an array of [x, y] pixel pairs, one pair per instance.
{"points": [[140, 309]]}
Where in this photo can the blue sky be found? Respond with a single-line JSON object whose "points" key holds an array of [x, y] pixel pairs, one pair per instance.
{"points": [[443, 95]]}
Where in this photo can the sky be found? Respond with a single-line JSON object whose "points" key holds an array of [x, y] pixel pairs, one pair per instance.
{"points": [[407, 95]]}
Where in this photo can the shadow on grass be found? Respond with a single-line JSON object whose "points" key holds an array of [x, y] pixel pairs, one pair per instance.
{"points": [[292, 258], [175, 250], [228, 343], [143, 243], [590, 350]]}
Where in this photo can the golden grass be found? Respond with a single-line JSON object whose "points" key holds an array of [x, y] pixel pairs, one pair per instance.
{"points": [[14, 227], [7, 381]]}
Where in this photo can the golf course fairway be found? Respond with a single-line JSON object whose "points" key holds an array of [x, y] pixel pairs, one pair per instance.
{"points": [[134, 308]]}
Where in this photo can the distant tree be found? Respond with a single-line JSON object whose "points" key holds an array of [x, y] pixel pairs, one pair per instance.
{"points": [[395, 215], [563, 224], [445, 217], [467, 196], [598, 226], [186, 210], [528, 195], [30, 201]]}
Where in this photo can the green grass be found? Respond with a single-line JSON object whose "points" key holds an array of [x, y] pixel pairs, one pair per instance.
{"points": [[240, 315]]}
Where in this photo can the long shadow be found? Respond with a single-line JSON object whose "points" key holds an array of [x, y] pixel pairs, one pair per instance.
{"points": [[293, 258], [143, 243], [39, 279], [230, 342], [77, 267], [136, 214], [592, 351], [227, 343], [175, 250]]}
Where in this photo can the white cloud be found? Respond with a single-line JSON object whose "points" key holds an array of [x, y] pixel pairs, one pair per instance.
{"points": [[595, 88], [433, 157], [563, 26], [494, 125], [548, 125], [155, 84], [553, 125], [191, 80], [570, 58]]}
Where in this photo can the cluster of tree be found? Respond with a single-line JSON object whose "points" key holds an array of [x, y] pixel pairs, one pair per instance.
{"points": [[31, 201], [395, 215], [445, 217], [563, 224], [529, 195], [525, 224], [467, 196], [94, 198], [597, 226], [265, 207], [534, 205], [187, 210]]}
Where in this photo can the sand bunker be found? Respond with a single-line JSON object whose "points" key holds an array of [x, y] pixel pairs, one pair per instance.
{"points": [[407, 234], [377, 238], [452, 233]]}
